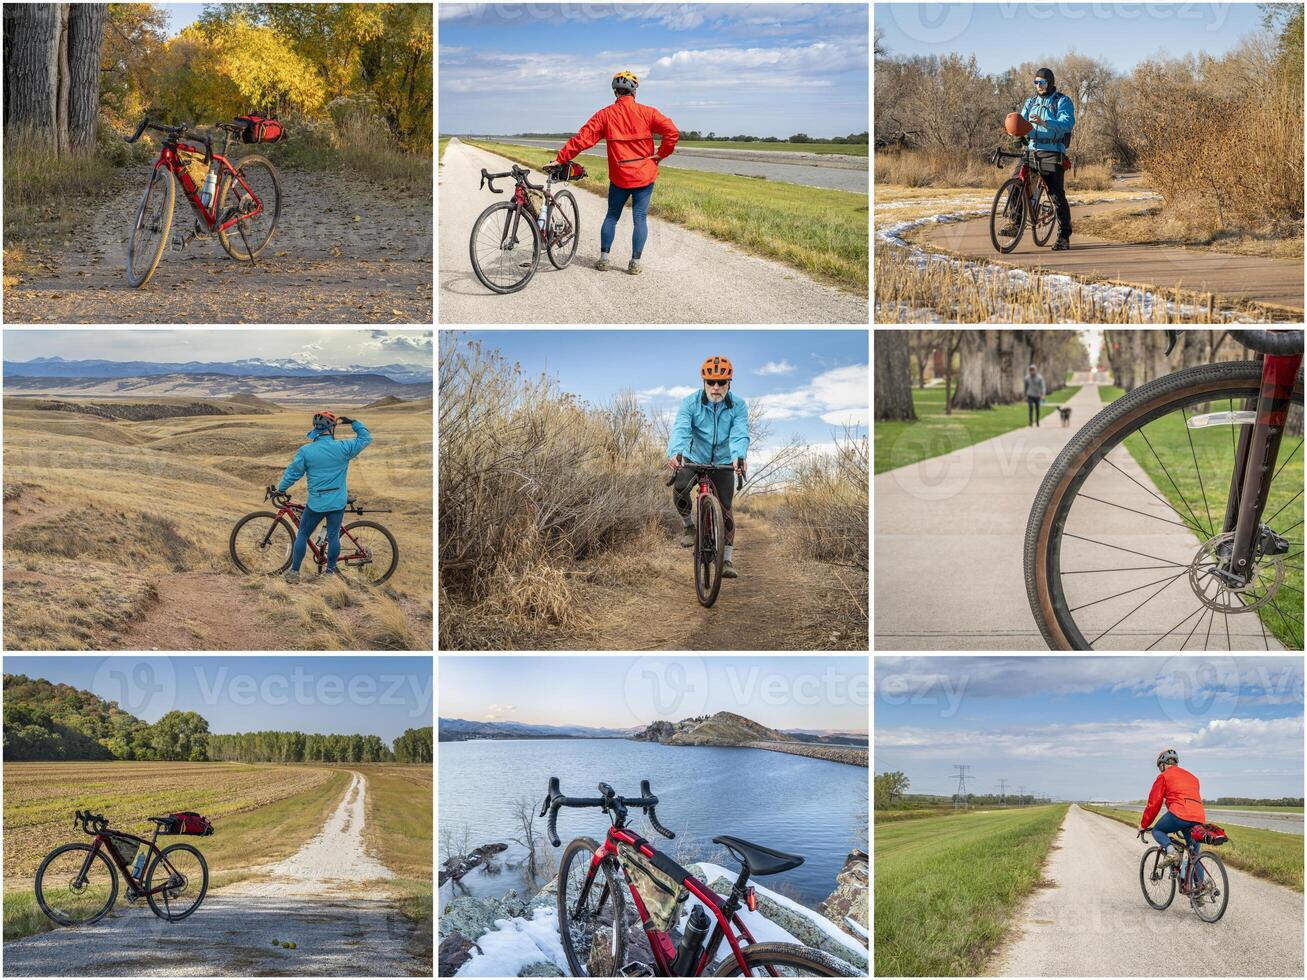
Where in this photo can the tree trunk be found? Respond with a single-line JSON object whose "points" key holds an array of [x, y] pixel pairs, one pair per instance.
{"points": [[85, 36], [61, 84], [32, 35], [893, 377], [978, 376]]}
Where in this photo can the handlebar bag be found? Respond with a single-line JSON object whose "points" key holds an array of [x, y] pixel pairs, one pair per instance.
{"points": [[261, 129], [664, 897]]}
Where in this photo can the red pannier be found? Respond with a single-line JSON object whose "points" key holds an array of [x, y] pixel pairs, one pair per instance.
{"points": [[1208, 833], [187, 822], [261, 129]]}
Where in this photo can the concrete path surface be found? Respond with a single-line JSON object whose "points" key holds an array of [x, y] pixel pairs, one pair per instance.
{"points": [[1092, 920], [949, 542], [1274, 281]]}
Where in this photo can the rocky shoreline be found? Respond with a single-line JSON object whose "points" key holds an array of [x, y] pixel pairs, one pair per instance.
{"points": [[853, 755]]}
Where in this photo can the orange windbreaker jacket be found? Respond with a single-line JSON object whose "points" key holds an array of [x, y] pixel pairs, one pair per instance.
{"points": [[1179, 787], [628, 127]]}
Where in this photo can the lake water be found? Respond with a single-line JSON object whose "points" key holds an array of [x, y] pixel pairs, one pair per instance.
{"points": [[803, 806]]}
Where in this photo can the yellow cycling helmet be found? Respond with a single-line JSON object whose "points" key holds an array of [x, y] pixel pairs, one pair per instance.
{"points": [[625, 82]]}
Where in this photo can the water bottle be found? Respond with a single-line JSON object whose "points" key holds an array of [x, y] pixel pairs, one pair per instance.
{"points": [[687, 956], [210, 183], [139, 864]]}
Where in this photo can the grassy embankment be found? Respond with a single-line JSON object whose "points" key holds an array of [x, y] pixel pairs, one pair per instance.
{"points": [[935, 433], [846, 149], [946, 887], [103, 516], [1168, 457], [819, 231], [1267, 854]]}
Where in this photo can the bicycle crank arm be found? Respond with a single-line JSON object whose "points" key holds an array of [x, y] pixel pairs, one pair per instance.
{"points": [[1221, 418]]}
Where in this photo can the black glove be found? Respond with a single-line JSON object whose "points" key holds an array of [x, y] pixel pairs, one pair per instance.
{"points": [[346, 421]]}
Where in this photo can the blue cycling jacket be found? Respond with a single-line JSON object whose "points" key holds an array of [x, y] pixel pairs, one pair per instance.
{"points": [[326, 461], [713, 434], [1049, 136]]}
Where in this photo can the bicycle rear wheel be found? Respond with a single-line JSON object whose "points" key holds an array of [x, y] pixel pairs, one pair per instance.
{"points": [[1009, 209], [709, 553], [501, 256], [1127, 528], [246, 240], [1041, 228], [564, 229], [369, 551]]}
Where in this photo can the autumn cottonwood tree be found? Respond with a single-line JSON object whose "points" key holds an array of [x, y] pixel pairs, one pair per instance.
{"points": [[52, 74]]}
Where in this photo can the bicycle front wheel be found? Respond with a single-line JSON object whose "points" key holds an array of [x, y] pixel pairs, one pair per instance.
{"points": [[69, 898], [709, 550], [591, 912], [261, 544], [504, 248], [1127, 531], [1008, 214], [150, 231], [787, 960]]}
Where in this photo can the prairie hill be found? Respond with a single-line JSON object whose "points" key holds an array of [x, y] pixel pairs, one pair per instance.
{"points": [[385, 402], [253, 402], [723, 728]]}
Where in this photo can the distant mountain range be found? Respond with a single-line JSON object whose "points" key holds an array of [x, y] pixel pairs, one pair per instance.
{"points": [[723, 728], [458, 730], [360, 388], [58, 367]]}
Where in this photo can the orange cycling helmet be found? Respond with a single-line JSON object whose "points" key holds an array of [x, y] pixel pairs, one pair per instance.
{"points": [[716, 369], [324, 420]]}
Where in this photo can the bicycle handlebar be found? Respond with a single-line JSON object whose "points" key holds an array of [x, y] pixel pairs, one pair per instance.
{"points": [[698, 467], [175, 132], [609, 802], [519, 175]]}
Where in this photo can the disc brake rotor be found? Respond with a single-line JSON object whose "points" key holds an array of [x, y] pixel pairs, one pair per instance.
{"points": [[1262, 587]]}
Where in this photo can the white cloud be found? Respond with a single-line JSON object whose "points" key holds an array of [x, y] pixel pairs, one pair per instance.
{"points": [[848, 416], [663, 391], [833, 396], [775, 367]]}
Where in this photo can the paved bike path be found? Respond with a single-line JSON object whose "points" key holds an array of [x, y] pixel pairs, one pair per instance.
{"points": [[1090, 918], [687, 276], [1265, 280], [950, 536]]}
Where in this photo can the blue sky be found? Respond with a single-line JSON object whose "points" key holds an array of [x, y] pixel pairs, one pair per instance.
{"points": [[319, 348], [756, 69], [1091, 727], [1002, 35], [380, 696], [809, 692], [809, 381]]}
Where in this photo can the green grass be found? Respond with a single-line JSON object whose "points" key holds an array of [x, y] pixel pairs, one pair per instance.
{"points": [[444, 142], [934, 433], [818, 231], [1198, 492], [1257, 807], [848, 149], [1267, 854], [947, 887]]}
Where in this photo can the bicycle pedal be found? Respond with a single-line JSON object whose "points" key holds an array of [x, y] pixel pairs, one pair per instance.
{"points": [[635, 970]]}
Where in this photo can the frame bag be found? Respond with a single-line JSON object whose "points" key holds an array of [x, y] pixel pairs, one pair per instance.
{"points": [[261, 129], [663, 897]]}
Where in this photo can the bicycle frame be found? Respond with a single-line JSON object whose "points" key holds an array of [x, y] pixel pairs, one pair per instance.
{"points": [[171, 161], [293, 512], [664, 951], [103, 840]]}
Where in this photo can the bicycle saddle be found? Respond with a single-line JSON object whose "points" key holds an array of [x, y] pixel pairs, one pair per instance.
{"points": [[758, 859]]}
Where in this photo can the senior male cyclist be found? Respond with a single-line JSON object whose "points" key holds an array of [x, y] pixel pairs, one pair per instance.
{"points": [[1184, 805], [712, 429], [326, 462], [1053, 116], [628, 130]]}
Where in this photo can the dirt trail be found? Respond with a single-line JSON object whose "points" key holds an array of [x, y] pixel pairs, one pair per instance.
{"points": [[205, 611], [322, 265], [1276, 282], [777, 603]]}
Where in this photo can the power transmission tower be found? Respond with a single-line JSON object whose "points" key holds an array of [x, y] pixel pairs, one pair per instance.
{"points": [[960, 801], [1002, 788], [1021, 795]]}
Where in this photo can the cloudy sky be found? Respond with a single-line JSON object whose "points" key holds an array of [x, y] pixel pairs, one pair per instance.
{"points": [[809, 382], [1091, 727], [317, 348], [756, 69]]}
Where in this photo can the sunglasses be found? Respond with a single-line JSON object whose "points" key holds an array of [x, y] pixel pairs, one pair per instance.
{"points": [[719, 384], [1041, 81]]}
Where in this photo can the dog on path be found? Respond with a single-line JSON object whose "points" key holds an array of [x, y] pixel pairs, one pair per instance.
{"points": [[1066, 415]]}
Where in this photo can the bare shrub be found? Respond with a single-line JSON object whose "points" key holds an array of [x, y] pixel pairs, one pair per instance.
{"points": [[532, 479]]}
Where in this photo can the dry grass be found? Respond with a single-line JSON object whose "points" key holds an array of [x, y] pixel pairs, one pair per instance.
{"points": [[531, 481], [936, 167], [101, 512], [1158, 226]]}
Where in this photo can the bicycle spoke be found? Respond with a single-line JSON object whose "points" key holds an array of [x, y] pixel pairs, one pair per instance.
{"points": [[1157, 496]]}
